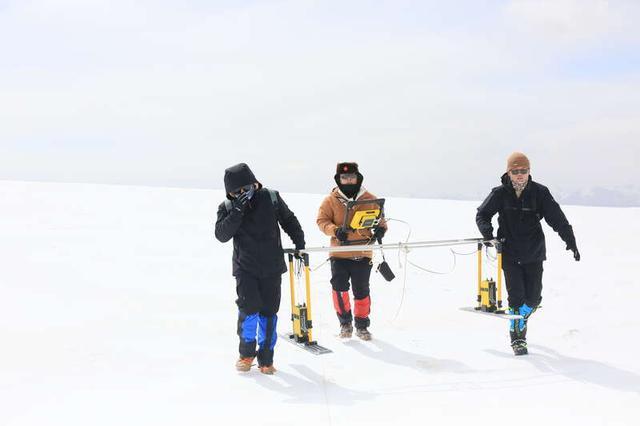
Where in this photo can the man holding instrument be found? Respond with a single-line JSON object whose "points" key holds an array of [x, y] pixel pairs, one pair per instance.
{"points": [[349, 266]]}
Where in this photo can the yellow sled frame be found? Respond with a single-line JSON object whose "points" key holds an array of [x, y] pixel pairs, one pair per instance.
{"points": [[302, 333], [301, 314], [490, 295]]}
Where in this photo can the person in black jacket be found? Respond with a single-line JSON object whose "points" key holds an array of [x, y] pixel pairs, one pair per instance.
{"points": [[250, 216], [521, 204]]}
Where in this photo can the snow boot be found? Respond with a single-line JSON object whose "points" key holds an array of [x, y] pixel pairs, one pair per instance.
{"points": [[519, 347], [267, 369], [346, 330], [519, 342], [363, 333], [244, 364]]}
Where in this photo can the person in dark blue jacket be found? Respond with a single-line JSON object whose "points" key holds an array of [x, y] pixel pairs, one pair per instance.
{"points": [[250, 216], [521, 204]]}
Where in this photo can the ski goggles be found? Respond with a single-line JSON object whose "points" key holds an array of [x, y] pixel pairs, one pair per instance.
{"points": [[519, 171], [246, 188]]}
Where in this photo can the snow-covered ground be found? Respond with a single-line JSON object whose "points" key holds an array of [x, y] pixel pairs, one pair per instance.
{"points": [[117, 308]]}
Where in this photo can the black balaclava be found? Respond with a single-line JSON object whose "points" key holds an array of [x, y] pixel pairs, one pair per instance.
{"points": [[351, 190]]}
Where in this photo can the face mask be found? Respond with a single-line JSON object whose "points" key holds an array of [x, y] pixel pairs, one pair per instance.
{"points": [[350, 190], [519, 187], [247, 189], [251, 192]]}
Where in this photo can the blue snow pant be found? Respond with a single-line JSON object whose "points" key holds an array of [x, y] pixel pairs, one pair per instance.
{"points": [[258, 303]]}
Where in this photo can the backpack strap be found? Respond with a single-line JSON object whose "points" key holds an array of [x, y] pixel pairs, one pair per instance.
{"points": [[274, 197], [274, 201]]}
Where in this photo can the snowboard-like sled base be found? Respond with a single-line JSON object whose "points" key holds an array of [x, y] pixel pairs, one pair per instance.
{"points": [[312, 347], [497, 314]]}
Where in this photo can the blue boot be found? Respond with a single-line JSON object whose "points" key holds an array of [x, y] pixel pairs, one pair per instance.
{"points": [[518, 329], [520, 325]]}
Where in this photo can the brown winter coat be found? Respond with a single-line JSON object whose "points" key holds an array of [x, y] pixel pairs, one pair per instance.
{"points": [[331, 215]]}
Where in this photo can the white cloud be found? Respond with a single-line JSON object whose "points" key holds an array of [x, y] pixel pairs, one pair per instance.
{"points": [[171, 94], [572, 21]]}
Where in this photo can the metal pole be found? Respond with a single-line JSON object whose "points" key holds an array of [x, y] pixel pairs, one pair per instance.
{"points": [[499, 250], [291, 284], [393, 246], [479, 273]]}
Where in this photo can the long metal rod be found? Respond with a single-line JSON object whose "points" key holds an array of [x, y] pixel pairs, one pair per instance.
{"points": [[292, 285], [392, 246], [499, 277], [479, 298]]}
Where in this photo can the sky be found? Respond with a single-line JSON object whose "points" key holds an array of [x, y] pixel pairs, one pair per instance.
{"points": [[428, 97]]}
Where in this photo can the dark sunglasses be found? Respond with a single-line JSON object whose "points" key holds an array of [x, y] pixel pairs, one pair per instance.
{"points": [[242, 189], [519, 171]]}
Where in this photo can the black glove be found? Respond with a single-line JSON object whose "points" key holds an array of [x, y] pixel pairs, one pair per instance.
{"points": [[241, 202], [378, 233], [574, 249], [488, 243], [571, 245], [341, 235], [297, 254]]}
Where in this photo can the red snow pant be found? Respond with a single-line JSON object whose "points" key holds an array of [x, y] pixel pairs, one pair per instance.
{"points": [[358, 271]]}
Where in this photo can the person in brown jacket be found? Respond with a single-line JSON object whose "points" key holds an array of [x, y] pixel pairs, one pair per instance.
{"points": [[349, 265]]}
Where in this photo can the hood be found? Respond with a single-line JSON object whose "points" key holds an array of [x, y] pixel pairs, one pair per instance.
{"points": [[351, 191], [238, 176]]}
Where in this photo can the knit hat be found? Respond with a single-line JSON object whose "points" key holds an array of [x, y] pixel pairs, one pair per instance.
{"points": [[517, 160]]}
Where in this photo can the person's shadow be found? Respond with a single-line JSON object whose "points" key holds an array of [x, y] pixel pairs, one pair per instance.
{"points": [[312, 388], [550, 361], [390, 354]]}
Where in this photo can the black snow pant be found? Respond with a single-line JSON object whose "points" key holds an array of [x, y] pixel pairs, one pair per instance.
{"points": [[524, 283], [359, 271], [258, 303]]}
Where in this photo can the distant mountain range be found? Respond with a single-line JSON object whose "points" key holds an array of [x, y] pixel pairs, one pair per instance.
{"points": [[619, 196], [627, 196]]}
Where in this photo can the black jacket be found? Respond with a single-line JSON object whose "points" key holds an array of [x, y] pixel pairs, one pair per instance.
{"points": [[519, 220], [257, 248]]}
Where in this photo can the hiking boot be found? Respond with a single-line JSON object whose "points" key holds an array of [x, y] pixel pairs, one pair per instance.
{"points": [[363, 333], [267, 369], [346, 330], [244, 364]]}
